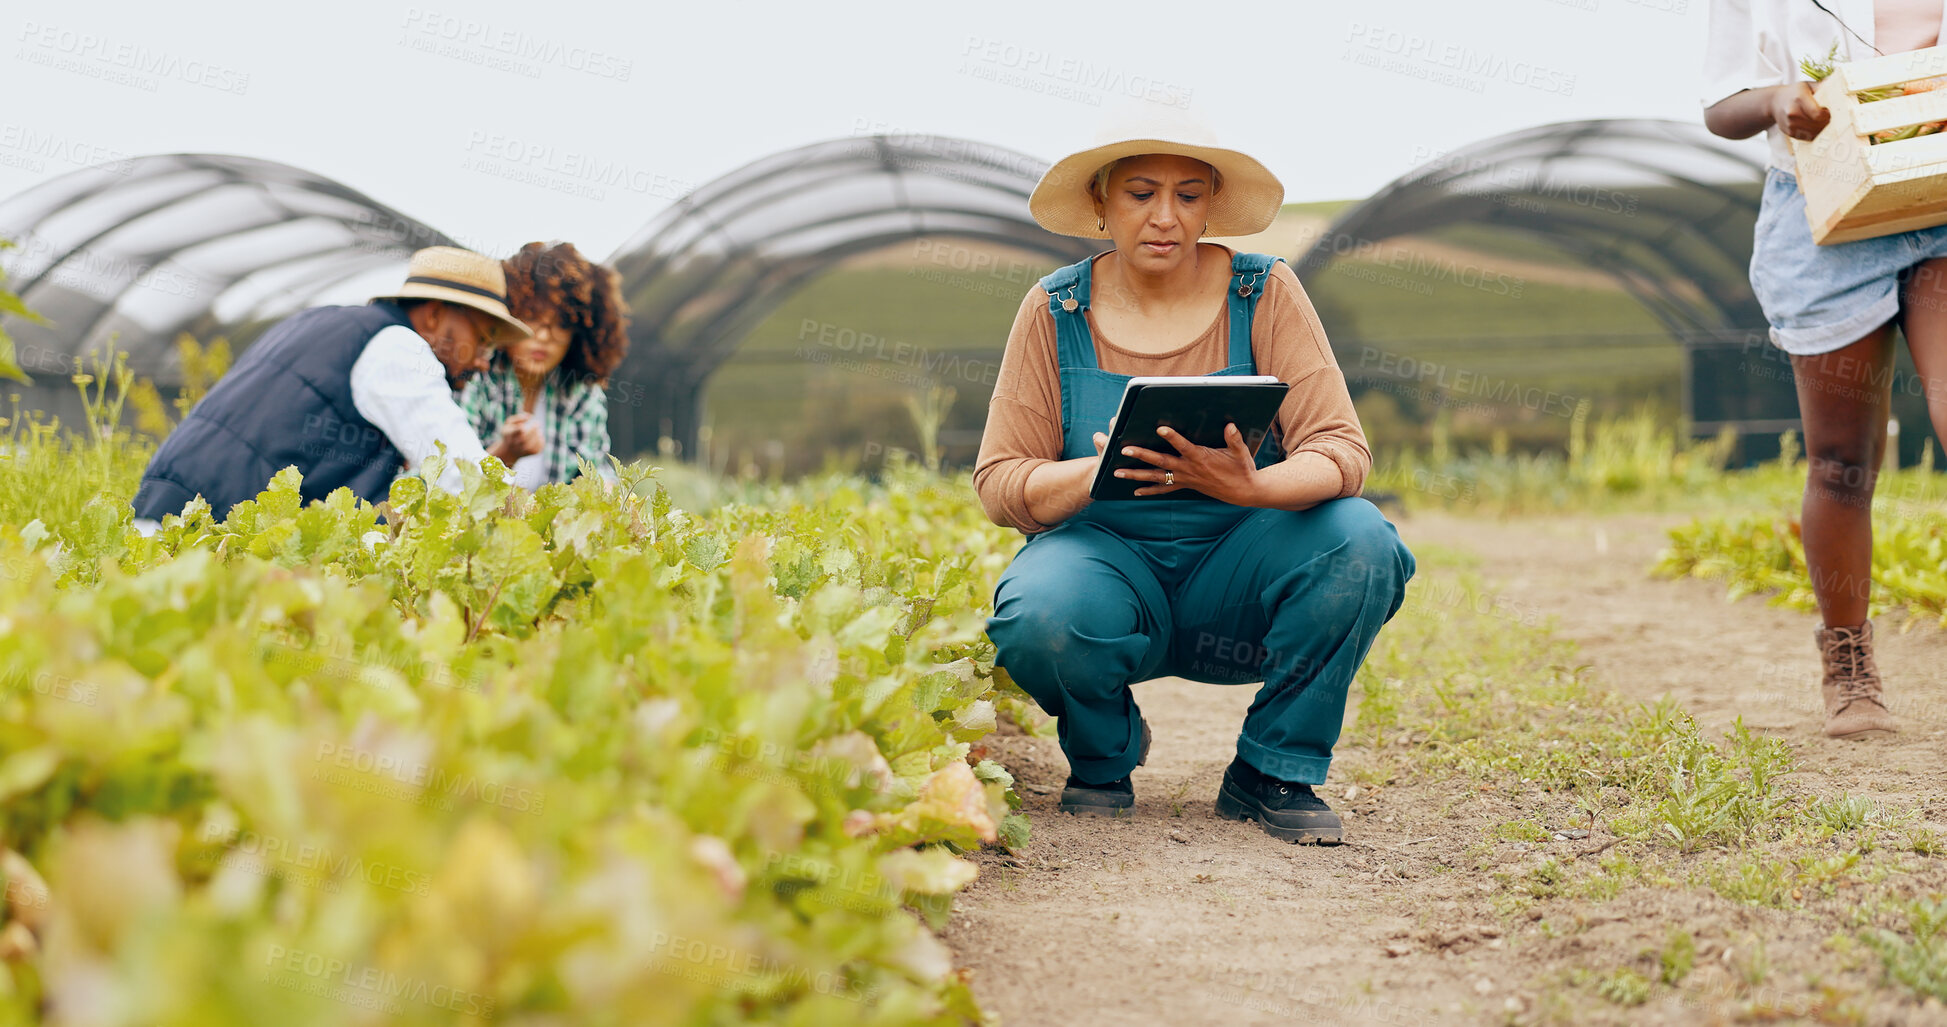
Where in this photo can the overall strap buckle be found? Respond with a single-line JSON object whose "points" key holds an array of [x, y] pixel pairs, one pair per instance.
{"points": [[1248, 271], [1068, 300], [1067, 288]]}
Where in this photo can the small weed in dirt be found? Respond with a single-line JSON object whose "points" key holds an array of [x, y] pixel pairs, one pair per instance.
{"points": [[1823, 873], [1755, 965], [1710, 795], [1618, 871], [1371, 775], [1678, 956], [1838, 815], [1753, 878], [1177, 798], [1624, 987], [1526, 829], [1548, 877], [1541, 881], [1919, 959]]}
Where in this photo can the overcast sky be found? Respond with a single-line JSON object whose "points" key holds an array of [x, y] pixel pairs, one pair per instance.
{"points": [[501, 122]]}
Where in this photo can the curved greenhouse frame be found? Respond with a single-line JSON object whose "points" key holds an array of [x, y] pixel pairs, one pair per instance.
{"points": [[142, 250], [145, 249], [700, 276], [1664, 207]]}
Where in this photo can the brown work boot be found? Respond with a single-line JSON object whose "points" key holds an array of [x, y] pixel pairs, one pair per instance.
{"points": [[1855, 704]]}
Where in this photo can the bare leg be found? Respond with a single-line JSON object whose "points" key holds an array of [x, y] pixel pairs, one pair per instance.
{"points": [[1924, 301], [1843, 397]]}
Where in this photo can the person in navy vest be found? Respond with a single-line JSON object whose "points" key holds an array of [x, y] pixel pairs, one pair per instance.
{"points": [[347, 395]]}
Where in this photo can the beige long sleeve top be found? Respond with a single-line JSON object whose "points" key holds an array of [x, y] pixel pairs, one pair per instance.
{"points": [[1024, 428]]}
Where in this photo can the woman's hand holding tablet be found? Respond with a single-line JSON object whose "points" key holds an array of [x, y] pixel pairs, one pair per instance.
{"points": [[1187, 437]]}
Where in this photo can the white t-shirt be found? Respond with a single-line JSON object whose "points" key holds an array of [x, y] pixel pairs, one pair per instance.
{"points": [[529, 472], [1757, 43]]}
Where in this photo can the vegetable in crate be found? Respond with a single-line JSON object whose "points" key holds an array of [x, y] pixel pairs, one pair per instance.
{"points": [[1819, 70]]}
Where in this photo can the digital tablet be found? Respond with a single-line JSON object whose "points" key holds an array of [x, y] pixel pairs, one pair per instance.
{"points": [[1197, 407]]}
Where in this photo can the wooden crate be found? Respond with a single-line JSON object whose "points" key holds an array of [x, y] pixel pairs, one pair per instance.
{"points": [[1855, 189]]}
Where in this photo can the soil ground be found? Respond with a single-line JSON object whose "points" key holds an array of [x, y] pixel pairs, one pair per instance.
{"points": [[1178, 917]]}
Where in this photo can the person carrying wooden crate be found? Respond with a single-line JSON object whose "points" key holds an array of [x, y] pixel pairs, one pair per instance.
{"points": [[1834, 308]]}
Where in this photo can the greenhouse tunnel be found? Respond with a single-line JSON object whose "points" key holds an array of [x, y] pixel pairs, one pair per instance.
{"points": [[712, 266], [143, 250], [1663, 207], [149, 248]]}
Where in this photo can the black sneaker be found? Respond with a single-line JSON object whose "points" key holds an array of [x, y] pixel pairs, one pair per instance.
{"points": [[1106, 800], [1114, 799], [1287, 811]]}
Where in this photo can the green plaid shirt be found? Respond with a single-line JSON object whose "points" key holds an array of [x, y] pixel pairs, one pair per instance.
{"points": [[573, 414]]}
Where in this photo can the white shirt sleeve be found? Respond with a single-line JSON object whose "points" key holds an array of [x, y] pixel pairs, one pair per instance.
{"points": [[530, 472], [399, 386], [1733, 56]]}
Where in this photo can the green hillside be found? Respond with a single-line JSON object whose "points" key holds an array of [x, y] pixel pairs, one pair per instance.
{"points": [[830, 369]]}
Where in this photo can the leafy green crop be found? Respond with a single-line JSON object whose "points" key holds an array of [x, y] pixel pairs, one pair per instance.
{"points": [[576, 755], [1762, 553], [10, 304]]}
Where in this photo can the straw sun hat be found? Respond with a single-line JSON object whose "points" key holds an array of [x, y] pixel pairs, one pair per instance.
{"points": [[1246, 204], [464, 277]]}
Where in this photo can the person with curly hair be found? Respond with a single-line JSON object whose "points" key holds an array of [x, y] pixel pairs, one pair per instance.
{"points": [[547, 393]]}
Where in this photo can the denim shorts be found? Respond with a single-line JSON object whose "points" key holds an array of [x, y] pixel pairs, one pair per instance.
{"points": [[1820, 298]]}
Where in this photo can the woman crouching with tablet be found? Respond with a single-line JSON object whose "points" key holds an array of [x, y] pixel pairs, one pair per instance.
{"points": [[1286, 579]]}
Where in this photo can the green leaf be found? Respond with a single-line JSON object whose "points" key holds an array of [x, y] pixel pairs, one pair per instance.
{"points": [[705, 552], [933, 871], [27, 770], [1015, 830], [9, 364]]}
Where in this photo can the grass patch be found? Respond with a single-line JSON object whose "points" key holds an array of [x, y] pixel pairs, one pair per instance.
{"points": [[1511, 722], [1918, 958], [54, 472], [1762, 553], [1634, 461], [1625, 987], [1524, 830], [1679, 955], [1643, 461]]}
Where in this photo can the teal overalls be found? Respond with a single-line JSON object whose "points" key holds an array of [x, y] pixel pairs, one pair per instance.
{"points": [[1131, 590]]}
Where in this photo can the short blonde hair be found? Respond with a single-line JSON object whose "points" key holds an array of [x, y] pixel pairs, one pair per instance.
{"points": [[1099, 188]]}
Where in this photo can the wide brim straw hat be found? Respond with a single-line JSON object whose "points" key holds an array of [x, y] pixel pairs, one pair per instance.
{"points": [[454, 275], [1246, 205]]}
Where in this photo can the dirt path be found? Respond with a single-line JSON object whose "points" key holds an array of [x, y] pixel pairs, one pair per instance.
{"points": [[1178, 917], [1646, 638]]}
